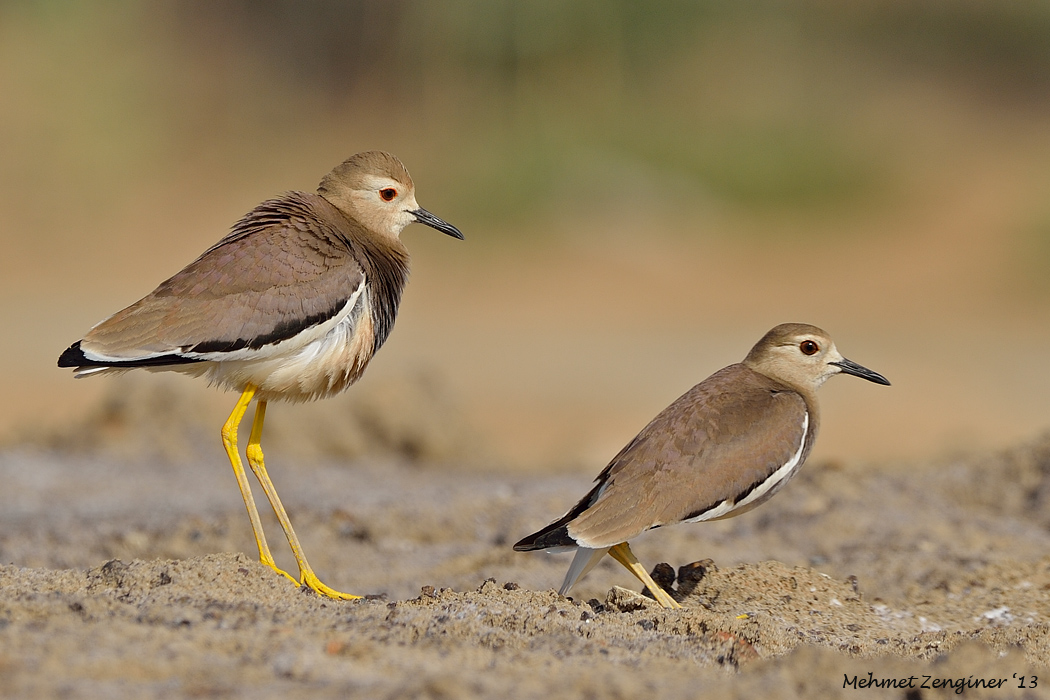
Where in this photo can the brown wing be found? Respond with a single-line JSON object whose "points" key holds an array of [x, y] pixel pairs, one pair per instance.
{"points": [[718, 441], [283, 268]]}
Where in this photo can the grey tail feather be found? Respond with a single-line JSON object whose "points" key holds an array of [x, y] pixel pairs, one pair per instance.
{"points": [[584, 560]]}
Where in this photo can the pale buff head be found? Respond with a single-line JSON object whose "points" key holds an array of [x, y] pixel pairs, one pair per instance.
{"points": [[374, 189], [804, 357]]}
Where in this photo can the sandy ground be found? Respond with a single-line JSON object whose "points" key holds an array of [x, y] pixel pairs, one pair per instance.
{"points": [[129, 575]]}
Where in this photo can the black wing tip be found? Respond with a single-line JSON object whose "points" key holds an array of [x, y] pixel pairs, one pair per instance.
{"points": [[557, 533], [73, 356], [554, 535]]}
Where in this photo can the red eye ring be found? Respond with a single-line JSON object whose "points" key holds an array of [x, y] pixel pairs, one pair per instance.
{"points": [[387, 194], [808, 347]]}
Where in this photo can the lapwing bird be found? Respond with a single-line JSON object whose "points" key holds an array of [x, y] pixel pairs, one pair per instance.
{"points": [[291, 305], [724, 447]]}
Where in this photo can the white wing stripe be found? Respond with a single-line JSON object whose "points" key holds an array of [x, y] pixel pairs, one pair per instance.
{"points": [[771, 483]]}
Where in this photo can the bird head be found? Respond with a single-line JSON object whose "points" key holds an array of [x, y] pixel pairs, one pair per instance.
{"points": [[804, 357], [374, 189]]}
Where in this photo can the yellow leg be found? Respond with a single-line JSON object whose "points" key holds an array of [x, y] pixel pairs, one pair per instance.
{"points": [[229, 440], [623, 554], [255, 461]]}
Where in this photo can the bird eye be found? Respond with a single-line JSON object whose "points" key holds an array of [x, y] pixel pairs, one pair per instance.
{"points": [[808, 347], [388, 194]]}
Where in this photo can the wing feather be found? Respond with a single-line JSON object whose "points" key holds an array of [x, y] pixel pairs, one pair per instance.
{"points": [[284, 268], [717, 441]]}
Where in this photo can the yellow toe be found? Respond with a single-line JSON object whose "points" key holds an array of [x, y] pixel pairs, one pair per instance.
{"points": [[314, 584], [282, 572]]}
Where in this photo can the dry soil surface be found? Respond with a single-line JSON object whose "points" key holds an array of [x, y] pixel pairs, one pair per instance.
{"points": [[135, 576]]}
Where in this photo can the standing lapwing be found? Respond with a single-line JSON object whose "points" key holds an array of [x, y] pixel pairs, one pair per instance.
{"points": [[291, 305]]}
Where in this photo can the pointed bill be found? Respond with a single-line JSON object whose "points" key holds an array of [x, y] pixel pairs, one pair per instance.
{"points": [[425, 217], [851, 367]]}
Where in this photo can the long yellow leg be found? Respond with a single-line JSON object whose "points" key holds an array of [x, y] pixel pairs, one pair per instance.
{"points": [[255, 461], [623, 554], [229, 440]]}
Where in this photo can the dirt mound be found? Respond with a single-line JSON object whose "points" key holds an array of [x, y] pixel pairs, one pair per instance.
{"points": [[224, 625]]}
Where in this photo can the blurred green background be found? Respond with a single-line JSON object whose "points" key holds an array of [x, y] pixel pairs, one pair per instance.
{"points": [[646, 188]]}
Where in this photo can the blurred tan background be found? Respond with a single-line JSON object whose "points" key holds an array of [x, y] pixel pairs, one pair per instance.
{"points": [[645, 190]]}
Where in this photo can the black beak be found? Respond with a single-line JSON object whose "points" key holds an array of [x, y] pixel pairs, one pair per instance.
{"points": [[425, 217], [850, 367]]}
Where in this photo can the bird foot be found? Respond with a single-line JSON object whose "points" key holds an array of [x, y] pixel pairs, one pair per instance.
{"points": [[282, 572], [313, 583]]}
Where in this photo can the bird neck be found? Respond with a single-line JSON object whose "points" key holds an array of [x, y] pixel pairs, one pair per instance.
{"points": [[386, 271], [809, 396]]}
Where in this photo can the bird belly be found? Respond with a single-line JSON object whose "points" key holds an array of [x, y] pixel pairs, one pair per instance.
{"points": [[323, 366]]}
